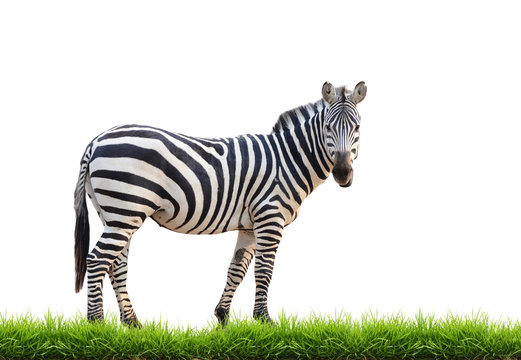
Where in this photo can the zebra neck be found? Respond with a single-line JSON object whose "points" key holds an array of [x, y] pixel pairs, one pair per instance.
{"points": [[304, 146]]}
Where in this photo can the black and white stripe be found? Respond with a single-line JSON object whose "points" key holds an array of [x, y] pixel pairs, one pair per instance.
{"points": [[252, 183]]}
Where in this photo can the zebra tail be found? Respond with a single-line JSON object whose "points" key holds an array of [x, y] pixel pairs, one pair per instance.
{"points": [[82, 230]]}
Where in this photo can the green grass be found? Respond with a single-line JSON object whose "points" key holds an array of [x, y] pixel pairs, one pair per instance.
{"points": [[370, 337]]}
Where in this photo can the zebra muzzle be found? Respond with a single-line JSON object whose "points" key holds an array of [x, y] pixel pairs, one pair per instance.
{"points": [[342, 170]]}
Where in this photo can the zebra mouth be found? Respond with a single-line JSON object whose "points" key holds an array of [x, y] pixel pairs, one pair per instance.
{"points": [[344, 178], [348, 184]]}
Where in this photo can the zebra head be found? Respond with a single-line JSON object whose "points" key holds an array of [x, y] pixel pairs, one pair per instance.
{"points": [[342, 128]]}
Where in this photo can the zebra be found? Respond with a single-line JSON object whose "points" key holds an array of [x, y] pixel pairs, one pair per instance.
{"points": [[251, 183]]}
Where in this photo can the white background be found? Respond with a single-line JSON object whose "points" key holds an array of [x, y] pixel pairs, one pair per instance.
{"points": [[432, 220]]}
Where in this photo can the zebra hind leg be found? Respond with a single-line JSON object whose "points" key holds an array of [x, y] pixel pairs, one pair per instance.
{"points": [[118, 278], [99, 261], [242, 255]]}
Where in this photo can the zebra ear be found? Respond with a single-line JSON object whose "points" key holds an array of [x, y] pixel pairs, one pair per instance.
{"points": [[359, 92], [328, 92]]}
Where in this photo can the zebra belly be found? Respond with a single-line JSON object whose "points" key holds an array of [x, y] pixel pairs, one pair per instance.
{"points": [[240, 220]]}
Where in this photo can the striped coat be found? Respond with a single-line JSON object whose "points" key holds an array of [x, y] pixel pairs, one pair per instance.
{"points": [[251, 183]]}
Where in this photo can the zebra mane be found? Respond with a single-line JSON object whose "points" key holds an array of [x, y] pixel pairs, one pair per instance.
{"points": [[296, 116]]}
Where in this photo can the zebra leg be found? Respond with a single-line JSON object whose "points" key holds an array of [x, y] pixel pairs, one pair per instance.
{"points": [[242, 255], [100, 259], [118, 278], [268, 234]]}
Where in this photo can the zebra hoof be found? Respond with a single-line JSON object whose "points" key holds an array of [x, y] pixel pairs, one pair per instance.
{"points": [[95, 319], [222, 315], [263, 317], [133, 322]]}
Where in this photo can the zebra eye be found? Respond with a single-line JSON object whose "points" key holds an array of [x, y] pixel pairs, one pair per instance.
{"points": [[357, 128], [328, 127]]}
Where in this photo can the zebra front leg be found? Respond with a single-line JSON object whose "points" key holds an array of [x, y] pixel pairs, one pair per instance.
{"points": [[99, 261], [118, 278], [268, 234], [242, 255]]}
